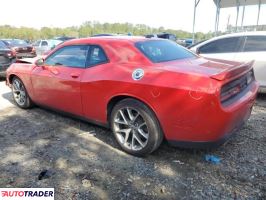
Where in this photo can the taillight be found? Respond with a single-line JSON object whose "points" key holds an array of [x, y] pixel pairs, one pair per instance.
{"points": [[14, 49], [230, 93], [13, 53], [236, 86]]}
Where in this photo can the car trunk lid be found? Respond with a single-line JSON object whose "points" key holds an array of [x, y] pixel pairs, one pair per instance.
{"points": [[214, 68]]}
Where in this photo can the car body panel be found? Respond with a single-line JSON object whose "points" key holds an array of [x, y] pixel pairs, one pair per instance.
{"points": [[183, 94], [57, 87]]}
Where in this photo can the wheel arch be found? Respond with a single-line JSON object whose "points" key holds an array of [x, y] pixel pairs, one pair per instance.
{"points": [[11, 76], [115, 99]]}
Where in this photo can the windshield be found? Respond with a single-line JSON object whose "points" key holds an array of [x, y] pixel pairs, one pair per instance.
{"points": [[16, 42], [163, 50], [2, 45]]}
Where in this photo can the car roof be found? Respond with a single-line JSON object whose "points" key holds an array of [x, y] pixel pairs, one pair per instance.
{"points": [[131, 39], [251, 33], [243, 34]]}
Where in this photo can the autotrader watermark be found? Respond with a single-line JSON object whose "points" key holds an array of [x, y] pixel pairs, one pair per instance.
{"points": [[27, 193]]}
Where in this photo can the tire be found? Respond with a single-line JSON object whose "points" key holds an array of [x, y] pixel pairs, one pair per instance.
{"points": [[20, 94], [135, 127]]}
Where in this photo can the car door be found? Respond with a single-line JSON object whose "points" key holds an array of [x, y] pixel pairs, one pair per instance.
{"points": [[224, 48], [57, 83], [255, 49], [92, 90]]}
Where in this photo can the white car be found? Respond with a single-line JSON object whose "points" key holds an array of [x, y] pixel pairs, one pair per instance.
{"points": [[43, 46], [238, 47]]}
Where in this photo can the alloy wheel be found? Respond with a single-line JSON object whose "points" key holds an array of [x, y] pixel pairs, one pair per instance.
{"points": [[19, 92], [131, 129]]}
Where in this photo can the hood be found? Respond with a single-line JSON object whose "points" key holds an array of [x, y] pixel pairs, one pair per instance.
{"points": [[214, 68]]}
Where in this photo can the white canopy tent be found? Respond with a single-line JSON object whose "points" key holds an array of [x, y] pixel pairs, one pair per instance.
{"points": [[226, 4]]}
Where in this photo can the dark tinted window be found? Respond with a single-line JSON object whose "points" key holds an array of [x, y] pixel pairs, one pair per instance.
{"points": [[16, 42], [72, 56], [163, 50], [97, 56], [44, 43], [255, 43], [225, 45]]}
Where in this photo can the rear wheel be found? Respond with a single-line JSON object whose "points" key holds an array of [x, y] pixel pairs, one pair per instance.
{"points": [[20, 94], [135, 127]]}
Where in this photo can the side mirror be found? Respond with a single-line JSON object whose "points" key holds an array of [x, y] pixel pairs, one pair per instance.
{"points": [[39, 62]]}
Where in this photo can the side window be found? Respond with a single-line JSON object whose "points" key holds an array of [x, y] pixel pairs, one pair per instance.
{"points": [[97, 56], [44, 43], [225, 45], [255, 43], [71, 56]]}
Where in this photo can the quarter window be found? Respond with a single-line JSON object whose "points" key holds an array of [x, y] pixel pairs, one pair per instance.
{"points": [[255, 43], [71, 56], [97, 56], [225, 45]]}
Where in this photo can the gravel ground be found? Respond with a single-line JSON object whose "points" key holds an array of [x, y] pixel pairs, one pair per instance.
{"points": [[83, 161]]}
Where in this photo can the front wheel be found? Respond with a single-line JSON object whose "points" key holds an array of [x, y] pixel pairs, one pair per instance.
{"points": [[20, 94], [135, 127]]}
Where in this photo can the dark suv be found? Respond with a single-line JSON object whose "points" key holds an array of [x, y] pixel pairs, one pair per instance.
{"points": [[7, 57]]}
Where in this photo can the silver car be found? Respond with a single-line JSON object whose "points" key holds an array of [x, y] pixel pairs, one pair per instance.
{"points": [[43, 46]]}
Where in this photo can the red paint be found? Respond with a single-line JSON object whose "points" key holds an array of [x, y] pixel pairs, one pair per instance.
{"points": [[184, 94]]}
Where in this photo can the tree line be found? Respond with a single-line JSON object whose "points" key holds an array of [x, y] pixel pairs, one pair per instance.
{"points": [[90, 28]]}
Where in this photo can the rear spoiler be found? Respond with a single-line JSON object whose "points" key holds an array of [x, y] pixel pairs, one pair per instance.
{"points": [[234, 71]]}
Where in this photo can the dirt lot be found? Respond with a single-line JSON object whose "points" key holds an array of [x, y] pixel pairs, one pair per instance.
{"points": [[83, 161]]}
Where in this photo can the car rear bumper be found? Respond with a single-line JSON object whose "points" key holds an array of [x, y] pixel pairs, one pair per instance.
{"points": [[215, 124], [206, 144]]}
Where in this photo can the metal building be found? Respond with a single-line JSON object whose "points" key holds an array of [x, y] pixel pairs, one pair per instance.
{"points": [[226, 4]]}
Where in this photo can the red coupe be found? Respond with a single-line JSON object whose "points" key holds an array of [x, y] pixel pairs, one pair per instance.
{"points": [[143, 89]]}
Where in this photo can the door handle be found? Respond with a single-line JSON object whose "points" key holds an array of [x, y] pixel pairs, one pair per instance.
{"points": [[74, 75]]}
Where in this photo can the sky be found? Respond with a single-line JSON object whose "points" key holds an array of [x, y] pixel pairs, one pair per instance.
{"points": [[173, 14]]}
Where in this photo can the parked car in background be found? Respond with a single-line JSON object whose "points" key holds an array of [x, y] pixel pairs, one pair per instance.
{"points": [[44, 46], [143, 89], [168, 36], [22, 48], [196, 43], [238, 47], [103, 34], [64, 38], [7, 57], [189, 42]]}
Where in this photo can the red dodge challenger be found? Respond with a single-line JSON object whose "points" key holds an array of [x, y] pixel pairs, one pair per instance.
{"points": [[143, 89]]}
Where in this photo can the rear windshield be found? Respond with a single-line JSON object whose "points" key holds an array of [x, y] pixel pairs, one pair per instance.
{"points": [[16, 42], [2, 45], [163, 50]]}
